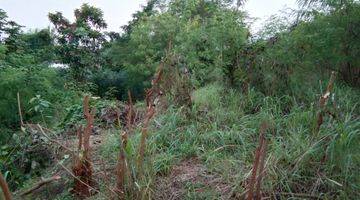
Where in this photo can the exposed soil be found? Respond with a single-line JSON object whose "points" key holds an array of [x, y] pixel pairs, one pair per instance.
{"points": [[189, 179]]}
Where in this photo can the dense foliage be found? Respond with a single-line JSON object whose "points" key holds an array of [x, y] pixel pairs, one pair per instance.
{"points": [[220, 81], [79, 42]]}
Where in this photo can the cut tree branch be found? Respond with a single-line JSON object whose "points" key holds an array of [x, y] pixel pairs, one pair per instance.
{"points": [[40, 184]]}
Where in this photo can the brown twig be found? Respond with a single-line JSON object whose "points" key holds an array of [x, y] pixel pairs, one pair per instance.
{"points": [[58, 143], [53, 140], [19, 108], [254, 171], [130, 112], [40, 184], [153, 92], [121, 170], [5, 188], [124, 138]]}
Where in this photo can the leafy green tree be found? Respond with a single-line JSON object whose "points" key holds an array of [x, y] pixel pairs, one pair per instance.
{"points": [[9, 32], [148, 10], [40, 45], [23, 49], [332, 34], [320, 39], [79, 43], [202, 36]]}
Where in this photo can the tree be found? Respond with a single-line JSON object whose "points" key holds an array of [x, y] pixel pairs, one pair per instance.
{"points": [[79, 43], [332, 30], [147, 11], [203, 36], [9, 33], [40, 45]]}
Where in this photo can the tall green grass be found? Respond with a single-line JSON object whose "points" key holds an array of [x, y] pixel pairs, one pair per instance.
{"points": [[222, 130]]}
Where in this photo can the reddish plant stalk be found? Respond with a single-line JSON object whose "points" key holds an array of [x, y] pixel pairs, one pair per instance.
{"points": [[130, 113], [261, 170], [151, 95], [79, 134], [259, 155], [144, 133], [82, 168], [323, 101], [89, 125], [121, 169], [120, 172], [5, 188]]}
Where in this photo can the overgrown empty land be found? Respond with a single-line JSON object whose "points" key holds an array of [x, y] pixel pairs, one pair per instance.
{"points": [[185, 102]]}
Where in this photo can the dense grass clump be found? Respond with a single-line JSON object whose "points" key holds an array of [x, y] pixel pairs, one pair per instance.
{"points": [[223, 132]]}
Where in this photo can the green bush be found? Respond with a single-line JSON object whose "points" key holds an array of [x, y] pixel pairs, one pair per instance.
{"points": [[28, 82]]}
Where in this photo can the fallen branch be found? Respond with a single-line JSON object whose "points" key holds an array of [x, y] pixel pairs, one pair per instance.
{"points": [[40, 184], [53, 140], [61, 145]]}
